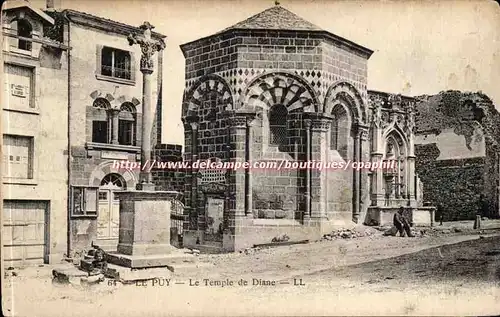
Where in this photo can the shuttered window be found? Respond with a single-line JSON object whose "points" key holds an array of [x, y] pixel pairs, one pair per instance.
{"points": [[18, 87], [84, 201], [18, 157]]}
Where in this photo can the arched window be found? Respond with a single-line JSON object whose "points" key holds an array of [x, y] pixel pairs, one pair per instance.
{"points": [[127, 124], [113, 181], [340, 131], [100, 122], [24, 29], [101, 103], [277, 125]]}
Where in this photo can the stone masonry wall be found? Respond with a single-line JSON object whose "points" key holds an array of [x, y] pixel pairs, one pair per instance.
{"points": [[239, 56], [457, 143], [168, 179], [455, 185]]}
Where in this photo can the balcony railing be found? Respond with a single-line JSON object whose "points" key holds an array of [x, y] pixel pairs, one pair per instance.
{"points": [[123, 73]]}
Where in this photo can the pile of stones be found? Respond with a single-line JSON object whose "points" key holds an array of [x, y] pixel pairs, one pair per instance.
{"points": [[344, 233]]}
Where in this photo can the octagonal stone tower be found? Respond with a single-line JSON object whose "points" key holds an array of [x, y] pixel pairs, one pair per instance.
{"points": [[273, 88]]}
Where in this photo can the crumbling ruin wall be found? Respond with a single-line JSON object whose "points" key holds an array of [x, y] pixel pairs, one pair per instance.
{"points": [[453, 185], [457, 153]]}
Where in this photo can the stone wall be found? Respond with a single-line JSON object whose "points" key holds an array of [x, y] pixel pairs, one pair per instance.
{"points": [[167, 178], [457, 152], [241, 55], [453, 185]]}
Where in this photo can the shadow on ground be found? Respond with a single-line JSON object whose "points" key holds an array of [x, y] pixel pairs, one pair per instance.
{"points": [[470, 261]]}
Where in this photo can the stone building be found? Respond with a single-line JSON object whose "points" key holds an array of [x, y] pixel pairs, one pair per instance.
{"points": [[105, 98], [73, 108], [275, 87], [457, 138], [34, 192]]}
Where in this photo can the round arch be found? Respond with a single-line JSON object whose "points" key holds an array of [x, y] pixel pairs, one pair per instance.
{"points": [[284, 88], [102, 170], [193, 97], [346, 92]]}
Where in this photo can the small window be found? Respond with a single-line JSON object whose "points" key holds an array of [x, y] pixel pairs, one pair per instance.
{"points": [[100, 131], [84, 201], [277, 125], [24, 30], [125, 132], [101, 103], [103, 195], [126, 124], [116, 63], [340, 132]]}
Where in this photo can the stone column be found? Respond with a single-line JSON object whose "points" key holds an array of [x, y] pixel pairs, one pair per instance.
{"points": [[356, 176], [307, 192], [364, 156], [248, 171], [194, 175], [411, 155], [320, 123], [114, 124], [238, 135], [148, 47], [359, 131], [377, 152]]}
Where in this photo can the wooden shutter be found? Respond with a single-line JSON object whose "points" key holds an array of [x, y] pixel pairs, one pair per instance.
{"points": [[76, 201], [91, 202], [98, 55], [133, 66]]}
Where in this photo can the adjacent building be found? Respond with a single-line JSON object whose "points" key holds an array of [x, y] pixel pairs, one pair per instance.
{"points": [[35, 137], [457, 147], [72, 106]]}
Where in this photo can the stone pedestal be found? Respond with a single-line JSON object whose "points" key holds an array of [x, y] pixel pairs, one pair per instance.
{"points": [[144, 236]]}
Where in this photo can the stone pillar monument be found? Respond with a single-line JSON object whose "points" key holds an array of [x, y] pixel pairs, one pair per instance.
{"points": [[149, 47], [144, 236]]}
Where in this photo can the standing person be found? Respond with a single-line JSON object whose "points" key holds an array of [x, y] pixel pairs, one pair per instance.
{"points": [[401, 223], [484, 207]]}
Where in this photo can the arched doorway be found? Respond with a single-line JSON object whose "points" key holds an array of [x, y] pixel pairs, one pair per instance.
{"points": [[108, 219]]}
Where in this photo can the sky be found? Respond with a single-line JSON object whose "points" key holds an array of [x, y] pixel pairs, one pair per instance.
{"points": [[420, 47]]}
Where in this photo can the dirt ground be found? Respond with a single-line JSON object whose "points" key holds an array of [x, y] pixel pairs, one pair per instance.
{"points": [[444, 274]]}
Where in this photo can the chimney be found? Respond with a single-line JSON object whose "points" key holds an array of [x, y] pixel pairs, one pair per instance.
{"points": [[53, 5]]}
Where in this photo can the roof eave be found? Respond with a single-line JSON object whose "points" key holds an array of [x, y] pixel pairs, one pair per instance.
{"points": [[364, 50], [118, 27], [11, 5]]}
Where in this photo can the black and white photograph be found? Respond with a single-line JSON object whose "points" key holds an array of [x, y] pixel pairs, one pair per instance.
{"points": [[250, 158]]}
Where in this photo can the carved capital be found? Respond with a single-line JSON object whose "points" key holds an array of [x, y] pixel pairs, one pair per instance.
{"points": [[321, 124], [362, 132], [194, 126], [148, 46], [318, 121]]}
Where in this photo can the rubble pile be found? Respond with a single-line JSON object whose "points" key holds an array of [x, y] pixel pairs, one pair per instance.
{"points": [[344, 233], [248, 251]]}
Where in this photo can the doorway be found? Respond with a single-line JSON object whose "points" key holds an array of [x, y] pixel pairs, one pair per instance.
{"points": [[108, 220], [214, 208]]}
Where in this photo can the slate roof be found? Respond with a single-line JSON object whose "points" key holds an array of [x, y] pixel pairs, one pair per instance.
{"points": [[275, 18]]}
